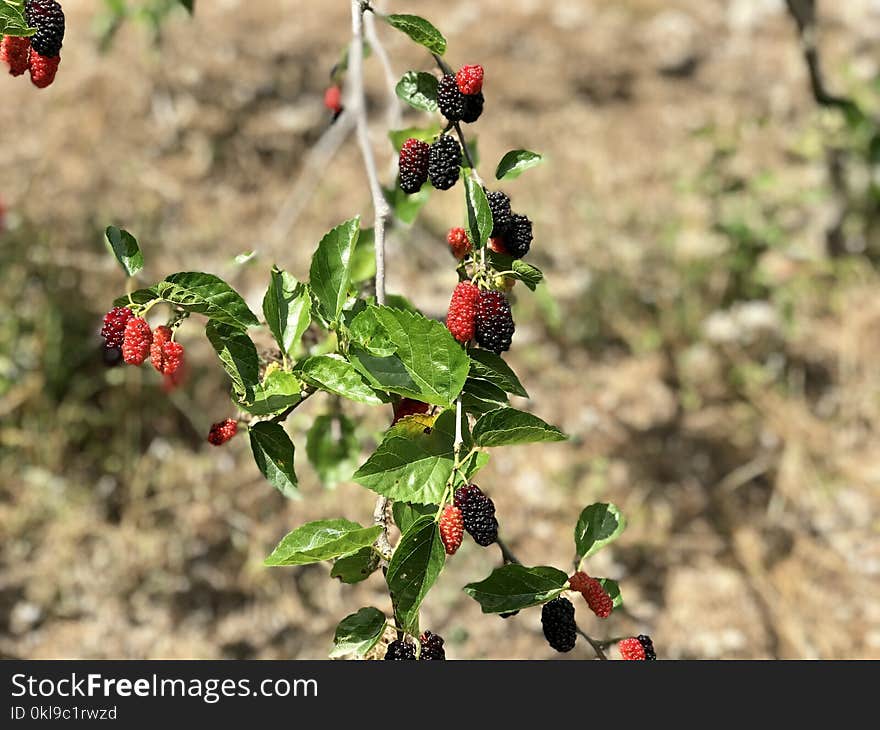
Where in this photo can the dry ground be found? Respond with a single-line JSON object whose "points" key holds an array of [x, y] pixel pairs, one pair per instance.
{"points": [[748, 465]]}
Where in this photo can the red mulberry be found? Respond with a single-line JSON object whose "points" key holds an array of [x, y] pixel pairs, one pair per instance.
{"points": [[136, 341], [43, 69], [451, 528], [462, 308], [459, 243], [221, 432], [470, 79], [14, 52]]}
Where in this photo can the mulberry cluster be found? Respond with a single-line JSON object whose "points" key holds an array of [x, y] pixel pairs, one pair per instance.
{"points": [[460, 96], [130, 339], [460, 318], [493, 322], [444, 162], [557, 620], [451, 528], [400, 650], [41, 53], [432, 647], [638, 648], [511, 233], [413, 164], [478, 514], [222, 431]]}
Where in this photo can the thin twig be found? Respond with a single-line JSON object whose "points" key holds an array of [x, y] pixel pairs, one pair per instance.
{"points": [[319, 158], [597, 647], [804, 14], [358, 106], [394, 116]]}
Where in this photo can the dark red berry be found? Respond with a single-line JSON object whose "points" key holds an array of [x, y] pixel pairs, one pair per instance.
{"points": [[632, 650], [451, 528], [222, 431], [497, 245], [462, 309], [414, 159], [48, 18], [459, 243], [478, 513], [14, 53], [444, 163], [432, 647], [494, 325], [399, 650], [113, 327], [43, 69], [470, 79], [557, 620], [136, 341]]}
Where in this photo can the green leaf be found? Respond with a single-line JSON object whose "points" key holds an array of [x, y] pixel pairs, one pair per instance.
{"points": [[420, 30], [489, 366], [335, 374], [513, 587], [412, 466], [315, 542], [287, 309], [598, 525], [508, 426], [140, 297], [363, 260], [405, 514], [613, 590], [413, 569], [358, 633], [515, 163], [480, 396], [274, 452], [529, 275], [195, 291], [425, 134], [126, 250], [419, 90], [406, 207], [238, 354], [427, 363], [479, 215], [333, 448], [356, 567], [279, 391], [12, 21], [330, 272]]}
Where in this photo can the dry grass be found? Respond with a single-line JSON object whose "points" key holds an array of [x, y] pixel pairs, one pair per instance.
{"points": [[742, 447]]}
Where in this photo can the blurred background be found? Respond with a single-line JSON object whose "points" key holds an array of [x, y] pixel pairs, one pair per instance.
{"points": [[709, 333]]}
